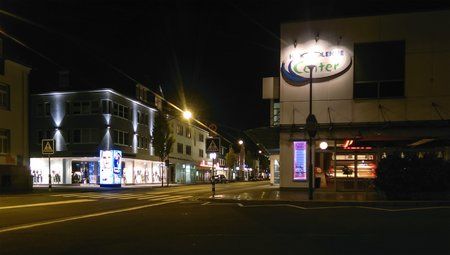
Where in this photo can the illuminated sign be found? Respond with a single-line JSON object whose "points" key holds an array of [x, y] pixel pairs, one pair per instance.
{"points": [[300, 161], [329, 64], [110, 167]]}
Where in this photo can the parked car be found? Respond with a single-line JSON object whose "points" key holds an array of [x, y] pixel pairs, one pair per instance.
{"points": [[220, 178]]}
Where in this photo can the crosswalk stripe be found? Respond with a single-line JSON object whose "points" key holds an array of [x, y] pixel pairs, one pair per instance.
{"points": [[151, 199], [179, 198], [152, 196]]}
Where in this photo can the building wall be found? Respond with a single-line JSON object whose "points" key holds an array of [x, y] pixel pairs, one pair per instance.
{"points": [[427, 61], [427, 44], [15, 119], [60, 122]]}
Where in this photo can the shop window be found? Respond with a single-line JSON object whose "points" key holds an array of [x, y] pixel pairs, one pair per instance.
{"points": [[180, 148], [4, 97], [188, 150], [379, 70], [5, 141]]}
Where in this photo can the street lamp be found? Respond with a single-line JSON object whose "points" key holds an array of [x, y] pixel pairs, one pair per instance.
{"points": [[311, 121], [187, 114], [213, 180], [240, 142]]}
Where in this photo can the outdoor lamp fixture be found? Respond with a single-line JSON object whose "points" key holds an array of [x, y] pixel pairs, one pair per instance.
{"points": [[311, 59], [240, 142], [187, 114], [323, 145], [259, 151]]}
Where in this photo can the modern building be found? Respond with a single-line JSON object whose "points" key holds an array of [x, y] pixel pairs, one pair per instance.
{"points": [[188, 159], [14, 153], [380, 85], [84, 124], [88, 126]]}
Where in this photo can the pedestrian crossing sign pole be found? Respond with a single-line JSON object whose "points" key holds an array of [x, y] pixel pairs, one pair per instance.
{"points": [[48, 148]]}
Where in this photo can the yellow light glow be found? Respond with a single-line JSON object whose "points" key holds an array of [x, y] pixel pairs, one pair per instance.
{"points": [[187, 114]]}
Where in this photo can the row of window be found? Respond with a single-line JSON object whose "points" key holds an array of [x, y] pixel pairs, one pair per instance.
{"points": [[92, 107], [180, 149], [92, 136], [181, 131]]}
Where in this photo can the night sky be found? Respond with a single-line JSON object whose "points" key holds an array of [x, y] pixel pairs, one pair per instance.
{"points": [[209, 55]]}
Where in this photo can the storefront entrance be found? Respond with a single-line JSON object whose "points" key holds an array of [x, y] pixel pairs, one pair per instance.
{"points": [[345, 168]]}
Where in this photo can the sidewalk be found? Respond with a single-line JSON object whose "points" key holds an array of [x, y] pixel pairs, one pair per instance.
{"points": [[273, 194]]}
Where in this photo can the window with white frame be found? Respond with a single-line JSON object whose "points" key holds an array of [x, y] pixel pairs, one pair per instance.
{"points": [[121, 137]]}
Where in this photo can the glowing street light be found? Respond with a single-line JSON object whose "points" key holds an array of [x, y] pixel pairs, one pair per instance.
{"points": [[323, 145], [187, 115], [240, 142]]}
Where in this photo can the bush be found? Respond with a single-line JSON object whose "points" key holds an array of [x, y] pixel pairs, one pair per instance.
{"points": [[403, 178]]}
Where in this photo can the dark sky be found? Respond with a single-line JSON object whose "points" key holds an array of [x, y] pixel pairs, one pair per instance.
{"points": [[210, 55]]}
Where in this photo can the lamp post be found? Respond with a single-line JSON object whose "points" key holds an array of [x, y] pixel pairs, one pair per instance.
{"points": [[311, 128], [213, 180]]}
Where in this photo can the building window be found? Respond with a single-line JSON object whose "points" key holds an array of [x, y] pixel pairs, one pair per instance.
{"points": [[121, 137], [106, 106], [76, 136], [188, 150], [4, 141], [43, 134], [76, 108], [379, 70], [4, 97], [179, 130], [188, 132], [201, 138], [180, 148], [43, 109], [143, 142], [95, 107], [142, 118], [200, 153]]}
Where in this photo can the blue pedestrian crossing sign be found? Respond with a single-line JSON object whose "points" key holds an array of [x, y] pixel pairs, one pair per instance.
{"points": [[48, 146], [213, 145]]}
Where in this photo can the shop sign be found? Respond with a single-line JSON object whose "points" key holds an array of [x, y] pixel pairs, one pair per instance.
{"points": [[330, 64], [300, 161], [110, 167]]}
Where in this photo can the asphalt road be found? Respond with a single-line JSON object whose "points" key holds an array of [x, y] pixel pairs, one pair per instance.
{"points": [[179, 221]]}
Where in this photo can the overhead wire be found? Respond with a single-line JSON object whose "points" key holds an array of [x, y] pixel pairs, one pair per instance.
{"points": [[78, 42]]}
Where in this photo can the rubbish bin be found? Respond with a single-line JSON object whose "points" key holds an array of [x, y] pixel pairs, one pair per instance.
{"points": [[317, 182]]}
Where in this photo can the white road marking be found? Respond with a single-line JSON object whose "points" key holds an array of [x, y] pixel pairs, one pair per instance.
{"points": [[48, 203], [153, 196], [38, 224], [173, 198]]}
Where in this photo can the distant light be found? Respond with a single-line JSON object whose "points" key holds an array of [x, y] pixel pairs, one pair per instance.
{"points": [[212, 155], [240, 142], [259, 151], [187, 115], [323, 145]]}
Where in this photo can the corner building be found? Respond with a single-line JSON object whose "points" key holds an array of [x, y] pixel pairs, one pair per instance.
{"points": [[381, 85]]}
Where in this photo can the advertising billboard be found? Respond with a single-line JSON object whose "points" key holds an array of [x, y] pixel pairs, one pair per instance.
{"points": [[110, 167], [300, 161]]}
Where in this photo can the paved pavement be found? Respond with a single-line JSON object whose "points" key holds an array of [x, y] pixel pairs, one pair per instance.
{"points": [[184, 220]]}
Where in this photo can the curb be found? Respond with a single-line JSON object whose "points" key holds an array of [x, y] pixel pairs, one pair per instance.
{"points": [[332, 203]]}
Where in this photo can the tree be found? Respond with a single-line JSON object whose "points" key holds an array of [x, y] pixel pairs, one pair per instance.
{"points": [[230, 160], [162, 140]]}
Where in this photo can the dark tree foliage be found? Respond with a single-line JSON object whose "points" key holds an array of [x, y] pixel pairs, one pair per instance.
{"points": [[407, 177]]}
